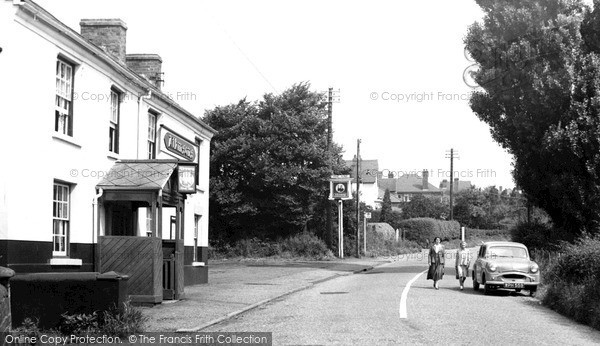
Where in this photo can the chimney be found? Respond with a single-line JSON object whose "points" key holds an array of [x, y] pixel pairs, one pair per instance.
{"points": [[108, 34], [444, 184], [146, 65], [425, 180]]}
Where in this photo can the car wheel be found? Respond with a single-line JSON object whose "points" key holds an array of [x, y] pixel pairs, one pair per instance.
{"points": [[486, 289], [475, 283]]}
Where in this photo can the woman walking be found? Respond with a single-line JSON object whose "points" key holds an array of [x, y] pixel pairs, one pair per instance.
{"points": [[463, 261], [436, 261]]}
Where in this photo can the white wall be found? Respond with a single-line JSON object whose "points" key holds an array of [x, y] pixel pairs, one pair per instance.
{"points": [[33, 155]]}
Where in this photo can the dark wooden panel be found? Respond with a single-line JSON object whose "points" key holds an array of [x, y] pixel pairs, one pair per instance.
{"points": [[136, 257]]}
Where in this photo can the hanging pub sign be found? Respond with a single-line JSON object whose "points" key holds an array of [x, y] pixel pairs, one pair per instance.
{"points": [[179, 146], [340, 187], [186, 178]]}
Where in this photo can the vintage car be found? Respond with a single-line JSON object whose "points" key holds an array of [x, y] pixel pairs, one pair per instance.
{"points": [[505, 265]]}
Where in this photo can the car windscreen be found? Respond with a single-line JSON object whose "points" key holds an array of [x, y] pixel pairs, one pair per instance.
{"points": [[506, 252]]}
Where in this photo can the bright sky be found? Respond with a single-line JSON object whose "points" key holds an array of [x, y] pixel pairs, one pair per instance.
{"points": [[398, 65]]}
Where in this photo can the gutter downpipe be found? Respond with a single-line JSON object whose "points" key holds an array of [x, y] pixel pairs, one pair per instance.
{"points": [[95, 227], [146, 97]]}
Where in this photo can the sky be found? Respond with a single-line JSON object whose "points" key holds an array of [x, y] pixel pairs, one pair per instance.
{"points": [[398, 66]]}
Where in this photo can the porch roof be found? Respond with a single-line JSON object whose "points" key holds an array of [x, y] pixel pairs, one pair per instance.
{"points": [[138, 175]]}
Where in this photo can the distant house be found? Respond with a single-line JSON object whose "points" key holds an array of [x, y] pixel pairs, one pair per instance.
{"points": [[456, 187], [407, 186], [368, 171]]}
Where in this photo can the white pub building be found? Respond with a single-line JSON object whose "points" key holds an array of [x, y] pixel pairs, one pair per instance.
{"points": [[100, 170]]}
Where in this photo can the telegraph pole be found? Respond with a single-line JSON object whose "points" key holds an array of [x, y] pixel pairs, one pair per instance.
{"points": [[329, 235], [357, 198], [331, 98], [451, 156]]}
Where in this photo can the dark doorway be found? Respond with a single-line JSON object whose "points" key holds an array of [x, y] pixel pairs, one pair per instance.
{"points": [[121, 217]]}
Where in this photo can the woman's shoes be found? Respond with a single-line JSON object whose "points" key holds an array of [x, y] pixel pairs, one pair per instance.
{"points": [[461, 287]]}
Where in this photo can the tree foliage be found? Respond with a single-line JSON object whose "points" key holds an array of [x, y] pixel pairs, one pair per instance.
{"points": [[385, 215], [269, 165], [489, 208], [540, 96], [422, 206]]}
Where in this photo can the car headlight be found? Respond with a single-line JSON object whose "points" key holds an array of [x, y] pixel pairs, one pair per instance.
{"points": [[492, 267], [534, 267]]}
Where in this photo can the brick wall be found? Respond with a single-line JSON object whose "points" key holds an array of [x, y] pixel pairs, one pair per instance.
{"points": [[5, 315]]}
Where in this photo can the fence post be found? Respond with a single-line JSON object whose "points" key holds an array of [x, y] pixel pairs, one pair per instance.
{"points": [[5, 314]]}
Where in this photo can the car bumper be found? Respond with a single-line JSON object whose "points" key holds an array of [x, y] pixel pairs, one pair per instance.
{"points": [[513, 280]]}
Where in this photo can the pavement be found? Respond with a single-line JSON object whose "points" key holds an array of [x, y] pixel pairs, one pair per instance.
{"points": [[235, 287]]}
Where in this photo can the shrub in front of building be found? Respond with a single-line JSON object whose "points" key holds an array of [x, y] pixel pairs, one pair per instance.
{"points": [[118, 322]]}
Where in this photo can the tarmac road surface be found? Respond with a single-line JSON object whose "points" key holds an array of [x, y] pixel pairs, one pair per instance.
{"points": [[364, 309]]}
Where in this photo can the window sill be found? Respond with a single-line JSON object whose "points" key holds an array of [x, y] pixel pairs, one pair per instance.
{"points": [[112, 156], [66, 139], [198, 264], [65, 261]]}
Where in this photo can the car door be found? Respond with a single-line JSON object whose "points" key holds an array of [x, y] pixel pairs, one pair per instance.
{"points": [[479, 263]]}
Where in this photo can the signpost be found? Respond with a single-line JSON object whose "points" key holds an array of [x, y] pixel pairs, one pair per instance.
{"points": [[367, 216], [339, 190]]}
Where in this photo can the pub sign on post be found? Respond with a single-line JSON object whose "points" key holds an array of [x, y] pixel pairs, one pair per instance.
{"points": [[340, 187]]}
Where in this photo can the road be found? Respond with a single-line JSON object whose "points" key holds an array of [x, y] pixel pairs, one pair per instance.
{"points": [[364, 309]]}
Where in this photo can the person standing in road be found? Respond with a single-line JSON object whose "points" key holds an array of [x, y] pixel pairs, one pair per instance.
{"points": [[463, 261], [436, 262]]}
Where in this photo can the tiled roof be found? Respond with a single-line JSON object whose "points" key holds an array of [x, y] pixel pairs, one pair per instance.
{"points": [[408, 183], [462, 185], [138, 175], [368, 170], [387, 183]]}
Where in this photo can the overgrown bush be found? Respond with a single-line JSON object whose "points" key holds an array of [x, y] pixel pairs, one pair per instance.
{"points": [[125, 321], [422, 230], [380, 244], [572, 283], [303, 244]]}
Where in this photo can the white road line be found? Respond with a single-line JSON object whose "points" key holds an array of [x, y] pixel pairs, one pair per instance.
{"points": [[405, 294]]}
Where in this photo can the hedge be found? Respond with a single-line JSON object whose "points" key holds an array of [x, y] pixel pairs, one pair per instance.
{"points": [[573, 282], [423, 229]]}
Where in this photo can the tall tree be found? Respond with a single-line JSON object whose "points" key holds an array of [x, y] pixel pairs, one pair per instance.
{"points": [[540, 80], [386, 207], [269, 164]]}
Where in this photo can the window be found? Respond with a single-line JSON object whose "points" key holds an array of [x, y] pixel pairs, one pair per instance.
{"points": [[113, 125], [63, 112], [198, 144], [151, 136], [60, 219], [196, 231]]}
